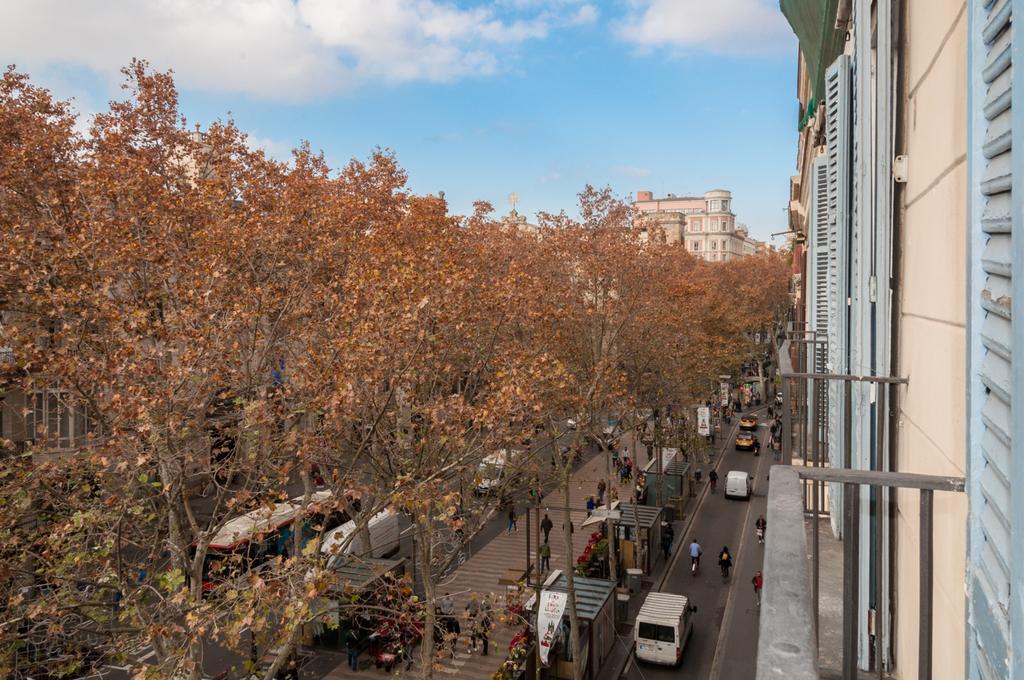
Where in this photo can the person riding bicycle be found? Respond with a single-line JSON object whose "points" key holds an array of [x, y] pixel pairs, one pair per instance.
{"points": [[762, 528], [725, 561], [713, 478], [695, 553]]}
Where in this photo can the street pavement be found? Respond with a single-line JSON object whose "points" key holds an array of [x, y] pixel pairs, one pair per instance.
{"points": [[724, 640]]}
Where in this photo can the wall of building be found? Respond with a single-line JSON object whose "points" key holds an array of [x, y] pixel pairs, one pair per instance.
{"points": [[932, 325]]}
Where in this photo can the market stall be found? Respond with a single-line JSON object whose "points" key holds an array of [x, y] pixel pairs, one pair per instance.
{"points": [[360, 580], [638, 550], [595, 608]]}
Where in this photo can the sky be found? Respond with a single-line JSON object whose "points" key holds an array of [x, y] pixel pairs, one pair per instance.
{"points": [[476, 99]]}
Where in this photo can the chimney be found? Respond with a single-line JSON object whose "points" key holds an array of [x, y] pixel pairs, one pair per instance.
{"points": [[644, 196]]}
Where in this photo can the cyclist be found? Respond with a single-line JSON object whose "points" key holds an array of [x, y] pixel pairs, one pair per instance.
{"points": [[713, 478], [695, 553], [762, 528], [725, 561]]}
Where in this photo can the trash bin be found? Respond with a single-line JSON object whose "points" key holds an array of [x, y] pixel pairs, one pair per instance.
{"points": [[634, 579], [668, 511], [622, 605]]}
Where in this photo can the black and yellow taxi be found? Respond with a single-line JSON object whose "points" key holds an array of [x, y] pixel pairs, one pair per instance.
{"points": [[748, 423], [745, 440]]}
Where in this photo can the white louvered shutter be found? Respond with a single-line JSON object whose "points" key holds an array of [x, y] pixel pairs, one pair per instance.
{"points": [[992, 525], [822, 254]]}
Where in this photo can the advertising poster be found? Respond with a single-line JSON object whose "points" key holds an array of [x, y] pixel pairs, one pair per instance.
{"points": [[552, 606], [704, 421]]}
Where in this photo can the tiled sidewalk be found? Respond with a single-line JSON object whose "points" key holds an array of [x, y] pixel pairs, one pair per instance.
{"points": [[481, 572]]}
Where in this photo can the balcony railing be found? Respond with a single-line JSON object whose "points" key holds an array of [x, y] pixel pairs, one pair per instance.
{"points": [[787, 647]]}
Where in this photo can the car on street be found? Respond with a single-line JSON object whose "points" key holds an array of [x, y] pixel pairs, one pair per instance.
{"points": [[745, 440], [748, 423], [738, 484]]}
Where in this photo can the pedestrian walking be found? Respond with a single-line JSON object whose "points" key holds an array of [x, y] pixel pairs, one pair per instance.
{"points": [[482, 629], [472, 613], [601, 488], [546, 525], [352, 642], [666, 539], [590, 505], [545, 557], [758, 582], [512, 521], [447, 605]]}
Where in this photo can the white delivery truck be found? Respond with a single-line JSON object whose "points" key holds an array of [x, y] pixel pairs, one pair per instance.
{"points": [[384, 538], [738, 484], [662, 628]]}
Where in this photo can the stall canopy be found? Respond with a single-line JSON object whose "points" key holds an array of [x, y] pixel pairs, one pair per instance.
{"points": [[357, 573], [814, 23], [646, 516], [591, 593]]}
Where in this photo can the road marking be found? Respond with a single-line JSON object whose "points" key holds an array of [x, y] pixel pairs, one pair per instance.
{"points": [[727, 618]]}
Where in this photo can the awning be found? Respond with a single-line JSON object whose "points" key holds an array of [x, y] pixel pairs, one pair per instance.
{"points": [[814, 23], [357, 573], [591, 593]]}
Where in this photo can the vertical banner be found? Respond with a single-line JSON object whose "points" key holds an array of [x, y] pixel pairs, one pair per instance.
{"points": [[704, 421], [549, 616]]}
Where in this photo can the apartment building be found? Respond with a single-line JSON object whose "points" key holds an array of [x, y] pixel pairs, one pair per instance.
{"points": [[905, 271], [705, 225]]}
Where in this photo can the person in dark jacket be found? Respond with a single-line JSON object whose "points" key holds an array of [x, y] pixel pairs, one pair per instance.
{"points": [[546, 525], [725, 561]]}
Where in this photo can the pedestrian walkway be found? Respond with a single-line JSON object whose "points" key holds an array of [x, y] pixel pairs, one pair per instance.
{"points": [[480, 574]]}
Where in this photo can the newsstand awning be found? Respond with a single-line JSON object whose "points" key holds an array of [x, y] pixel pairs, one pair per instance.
{"points": [[591, 593], [356, 573], [814, 23]]}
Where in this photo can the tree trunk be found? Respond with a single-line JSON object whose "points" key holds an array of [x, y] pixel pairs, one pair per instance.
{"points": [[425, 550], [570, 566]]}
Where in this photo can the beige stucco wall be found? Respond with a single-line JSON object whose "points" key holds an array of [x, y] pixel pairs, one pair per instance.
{"points": [[932, 332]]}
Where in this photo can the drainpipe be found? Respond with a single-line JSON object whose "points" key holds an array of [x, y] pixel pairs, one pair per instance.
{"points": [[899, 16]]}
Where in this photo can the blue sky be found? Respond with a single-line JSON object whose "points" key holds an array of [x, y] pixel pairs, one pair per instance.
{"points": [[477, 99]]}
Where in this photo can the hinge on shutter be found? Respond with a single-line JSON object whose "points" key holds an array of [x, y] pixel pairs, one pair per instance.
{"points": [[899, 169]]}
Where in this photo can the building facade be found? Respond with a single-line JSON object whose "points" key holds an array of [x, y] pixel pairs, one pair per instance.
{"points": [[885, 238], [705, 225]]}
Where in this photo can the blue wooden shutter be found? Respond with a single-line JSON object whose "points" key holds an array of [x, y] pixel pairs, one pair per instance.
{"points": [[991, 438]]}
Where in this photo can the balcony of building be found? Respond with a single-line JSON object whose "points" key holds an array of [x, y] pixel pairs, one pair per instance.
{"points": [[815, 609]]}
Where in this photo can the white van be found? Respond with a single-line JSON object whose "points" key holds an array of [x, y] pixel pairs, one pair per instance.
{"points": [[492, 471], [738, 484], [384, 539], [662, 628]]}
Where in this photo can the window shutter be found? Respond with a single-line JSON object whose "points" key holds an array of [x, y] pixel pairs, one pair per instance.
{"points": [[991, 529], [839, 136], [821, 258]]}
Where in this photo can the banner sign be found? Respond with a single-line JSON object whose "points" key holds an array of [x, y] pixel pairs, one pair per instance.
{"points": [[704, 421], [549, 616]]}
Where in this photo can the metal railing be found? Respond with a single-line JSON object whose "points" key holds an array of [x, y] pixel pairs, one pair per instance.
{"points": [[787, 647]]}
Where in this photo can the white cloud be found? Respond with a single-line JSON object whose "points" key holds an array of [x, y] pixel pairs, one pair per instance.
{"points": [[721, 26], [277, 149], [586, 14], [284, 49], [630, 171]]}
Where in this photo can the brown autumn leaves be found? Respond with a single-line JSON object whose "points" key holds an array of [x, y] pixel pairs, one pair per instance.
{"points": [[327, 323]]}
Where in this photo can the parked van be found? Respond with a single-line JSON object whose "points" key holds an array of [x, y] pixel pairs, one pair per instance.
{"points": [[738, 484], [493, 471], [384, 538], [662, 628]]}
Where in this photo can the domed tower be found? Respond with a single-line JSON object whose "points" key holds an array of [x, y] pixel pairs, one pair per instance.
{"points": [[718, 207]]}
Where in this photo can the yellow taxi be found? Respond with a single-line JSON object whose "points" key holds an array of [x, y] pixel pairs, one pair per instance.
{"points": [[745, 440], [748, 423]]}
